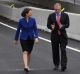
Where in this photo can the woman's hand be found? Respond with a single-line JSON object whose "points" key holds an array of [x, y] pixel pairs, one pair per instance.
{"points": [[36, 40], [15, 42]]}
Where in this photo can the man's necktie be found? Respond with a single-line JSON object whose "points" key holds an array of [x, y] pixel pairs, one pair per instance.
{"points": [[58, 22]]}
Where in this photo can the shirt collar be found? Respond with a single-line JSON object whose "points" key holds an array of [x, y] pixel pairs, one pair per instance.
{"points": [[58, 14]]}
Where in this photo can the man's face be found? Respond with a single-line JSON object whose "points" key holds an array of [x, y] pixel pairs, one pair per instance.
{"points": [[57, 7]]}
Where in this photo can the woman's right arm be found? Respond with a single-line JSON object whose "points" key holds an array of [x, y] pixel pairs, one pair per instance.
{"points": [[18, 31]]}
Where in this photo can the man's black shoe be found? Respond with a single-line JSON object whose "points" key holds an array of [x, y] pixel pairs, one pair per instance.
{"points": [[56, 67], [63, 69]]}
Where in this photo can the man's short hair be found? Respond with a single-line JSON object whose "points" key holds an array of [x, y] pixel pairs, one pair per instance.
{"points": [[57, 3]]}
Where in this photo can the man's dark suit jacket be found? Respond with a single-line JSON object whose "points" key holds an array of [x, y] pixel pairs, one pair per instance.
{"points": [[64, 21]]}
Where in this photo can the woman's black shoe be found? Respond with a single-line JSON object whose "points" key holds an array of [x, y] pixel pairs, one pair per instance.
{"points": [[26, 70]]}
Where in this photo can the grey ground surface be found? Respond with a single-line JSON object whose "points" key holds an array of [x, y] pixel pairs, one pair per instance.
{"points": [[41, 60]]}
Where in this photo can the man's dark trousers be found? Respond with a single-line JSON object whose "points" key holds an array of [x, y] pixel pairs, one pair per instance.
{"points": [[59, 43]]}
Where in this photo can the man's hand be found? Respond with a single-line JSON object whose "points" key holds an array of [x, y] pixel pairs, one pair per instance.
{"points": [[60, 26], [53, 26]]}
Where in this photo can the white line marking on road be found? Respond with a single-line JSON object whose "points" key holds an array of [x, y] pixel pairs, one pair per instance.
{"points": [[10, 70], [18, 69], [74, 49]]}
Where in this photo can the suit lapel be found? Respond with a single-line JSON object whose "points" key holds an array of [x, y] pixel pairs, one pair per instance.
{"points": [[55, 16]]}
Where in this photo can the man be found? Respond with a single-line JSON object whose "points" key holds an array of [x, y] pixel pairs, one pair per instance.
{"points": [[57, 23]]}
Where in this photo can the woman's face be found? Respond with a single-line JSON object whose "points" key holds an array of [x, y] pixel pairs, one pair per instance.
{"points": [[29, 14]]}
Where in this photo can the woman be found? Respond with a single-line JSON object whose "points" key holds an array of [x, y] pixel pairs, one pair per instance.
{"points": [[29, 34]]}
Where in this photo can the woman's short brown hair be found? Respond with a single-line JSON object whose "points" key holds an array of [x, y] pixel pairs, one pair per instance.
{"points": [[25, 11]]}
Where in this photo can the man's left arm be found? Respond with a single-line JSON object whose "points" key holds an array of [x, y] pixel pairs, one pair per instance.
{"points": [[67, 22]]}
